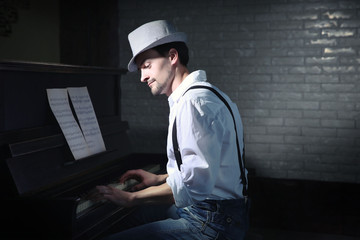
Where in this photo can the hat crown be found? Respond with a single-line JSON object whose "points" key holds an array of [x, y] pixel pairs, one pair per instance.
{"points": [[151, 35]]}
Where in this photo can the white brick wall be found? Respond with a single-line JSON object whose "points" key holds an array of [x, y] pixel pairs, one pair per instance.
{"points": [[292, 66]]}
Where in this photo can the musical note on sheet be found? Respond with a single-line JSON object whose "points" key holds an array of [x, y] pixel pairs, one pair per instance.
{"points": [[83, 140]]}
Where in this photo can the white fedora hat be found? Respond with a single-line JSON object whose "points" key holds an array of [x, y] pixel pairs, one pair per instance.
{"points": [[150, 35]]}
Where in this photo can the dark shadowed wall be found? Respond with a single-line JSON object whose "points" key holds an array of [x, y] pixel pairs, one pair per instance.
{"points": [[292, 67]]}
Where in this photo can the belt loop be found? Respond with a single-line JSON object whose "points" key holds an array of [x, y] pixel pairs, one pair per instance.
{"points": [[218, 206]]}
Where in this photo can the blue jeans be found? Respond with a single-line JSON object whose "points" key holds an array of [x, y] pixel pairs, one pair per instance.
{"points": [[227, 219]]}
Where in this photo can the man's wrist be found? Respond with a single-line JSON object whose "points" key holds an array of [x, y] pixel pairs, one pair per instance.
{"points": [[162, 178]]}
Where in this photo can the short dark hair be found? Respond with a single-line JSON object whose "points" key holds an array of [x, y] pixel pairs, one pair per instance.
{"points": [[180, 47]]}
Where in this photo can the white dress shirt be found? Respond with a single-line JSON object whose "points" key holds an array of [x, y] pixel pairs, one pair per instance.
{"points": [[206, 138]]}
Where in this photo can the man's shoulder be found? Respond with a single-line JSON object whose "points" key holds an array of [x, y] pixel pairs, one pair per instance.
{"points": [[205, 90], [202, 99]]}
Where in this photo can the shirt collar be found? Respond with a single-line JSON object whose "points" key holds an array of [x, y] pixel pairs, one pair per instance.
{"points": [[194, 77]]}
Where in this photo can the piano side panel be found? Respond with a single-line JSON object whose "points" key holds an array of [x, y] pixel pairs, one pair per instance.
{"points": [[37, 219], [2, 105]]}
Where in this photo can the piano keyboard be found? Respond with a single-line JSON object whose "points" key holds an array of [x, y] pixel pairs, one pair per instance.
{"points": [[85, 205]]}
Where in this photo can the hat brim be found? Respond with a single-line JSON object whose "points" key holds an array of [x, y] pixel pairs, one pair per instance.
{"points": [[174, 37]]}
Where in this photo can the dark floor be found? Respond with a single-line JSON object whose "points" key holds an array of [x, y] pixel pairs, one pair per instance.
{"points": [[276, 234], [300, 209]]}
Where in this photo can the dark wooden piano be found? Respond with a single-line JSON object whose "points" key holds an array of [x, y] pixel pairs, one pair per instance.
{"points": [[43, 189]]}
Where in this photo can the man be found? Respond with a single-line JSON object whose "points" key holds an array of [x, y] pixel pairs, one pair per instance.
{"points": [[203, 194]]}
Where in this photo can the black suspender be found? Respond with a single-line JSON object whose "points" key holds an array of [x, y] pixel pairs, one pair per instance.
{"points": [[241, 160]]}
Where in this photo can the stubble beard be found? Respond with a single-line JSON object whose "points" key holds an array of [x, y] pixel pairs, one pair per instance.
{"points": [[156, 89]]}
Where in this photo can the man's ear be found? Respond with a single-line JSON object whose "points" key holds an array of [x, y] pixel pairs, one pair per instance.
{"points": [[173, 55]]}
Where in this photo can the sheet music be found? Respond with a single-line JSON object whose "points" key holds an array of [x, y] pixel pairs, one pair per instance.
{"points": [[84, 141], [59, 104], [86, 115]]}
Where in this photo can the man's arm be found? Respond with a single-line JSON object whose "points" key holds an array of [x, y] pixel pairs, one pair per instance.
{"points": [[160, 194]]}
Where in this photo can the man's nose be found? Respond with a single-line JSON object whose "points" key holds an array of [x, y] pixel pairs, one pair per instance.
{"points": [[144, 77]]}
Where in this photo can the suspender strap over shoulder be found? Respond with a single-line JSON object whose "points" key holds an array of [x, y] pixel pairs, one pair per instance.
{"points": [[240, 158], [176, 145]]}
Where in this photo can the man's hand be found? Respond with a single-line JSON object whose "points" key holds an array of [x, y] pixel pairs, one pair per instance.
{"points": [[145, 179], [150, 189], [115, 195]]}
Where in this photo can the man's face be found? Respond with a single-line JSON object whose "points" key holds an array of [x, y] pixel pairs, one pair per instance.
{"points": [[156, 71]]}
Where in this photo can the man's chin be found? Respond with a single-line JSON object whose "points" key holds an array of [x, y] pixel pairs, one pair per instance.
{"points": [[156, 94], [155, 91]]}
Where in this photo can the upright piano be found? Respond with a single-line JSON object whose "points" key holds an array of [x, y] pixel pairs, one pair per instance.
{"points": [[43, 189]]}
